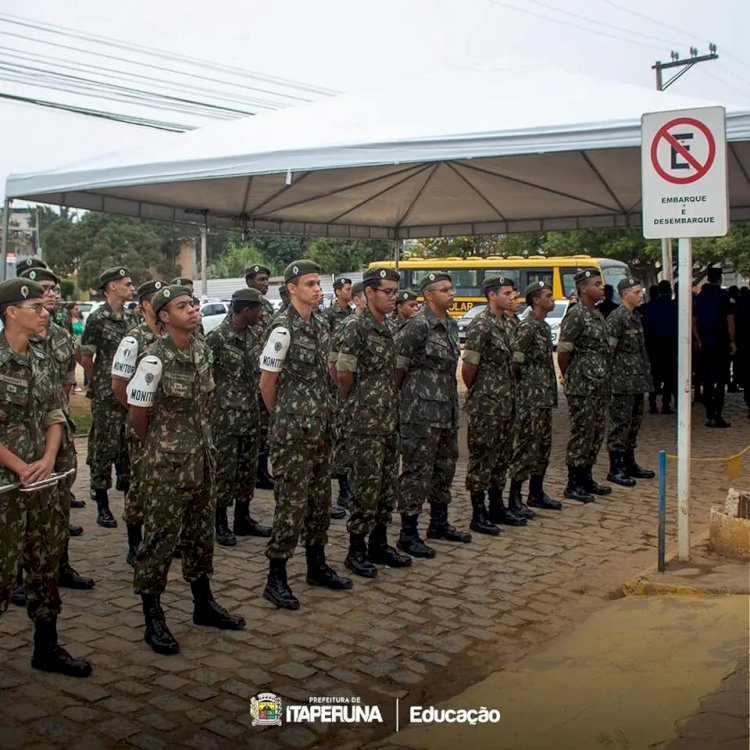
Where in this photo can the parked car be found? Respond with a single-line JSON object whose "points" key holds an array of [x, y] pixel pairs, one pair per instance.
{"points": [[553, 320], [213, 312], [463, 323], [86, 308]]}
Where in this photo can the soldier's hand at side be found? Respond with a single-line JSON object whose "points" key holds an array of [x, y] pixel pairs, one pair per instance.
{"points": [[561, 379], [36, 471]]}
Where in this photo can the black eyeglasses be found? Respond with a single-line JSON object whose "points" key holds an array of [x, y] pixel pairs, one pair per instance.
{"points": [[387, 292], [38, 308]]}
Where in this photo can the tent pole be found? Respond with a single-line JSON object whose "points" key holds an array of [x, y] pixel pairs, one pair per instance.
{"points": [[6, 232], [204, 277], [397, 253], [684, 353]]}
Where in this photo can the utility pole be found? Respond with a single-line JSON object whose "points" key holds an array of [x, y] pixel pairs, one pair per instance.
{"points": [[684, 65]]}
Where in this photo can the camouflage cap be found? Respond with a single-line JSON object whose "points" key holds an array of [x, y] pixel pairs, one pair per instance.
{"points": [[433, 277], [627, 283], [340, 282], [18, 290], [247, 295], [181, 281], [495, 282], [27, 263], [257, 268], [406, 295], [149, 287], [358, 288], [536, 286], [376, 275], [166, 294], [113, 274], [299, 268], [585, 274], [39, 274]]}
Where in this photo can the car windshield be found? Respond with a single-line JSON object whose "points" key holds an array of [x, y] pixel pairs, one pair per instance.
{"points": [[474, 311], [559, 310]]}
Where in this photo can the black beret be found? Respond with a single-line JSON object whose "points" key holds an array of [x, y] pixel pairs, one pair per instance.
{"points": [[299, 268], [247, 295], [27, 263], [257, 268], [627, 283], [18, 290], [181, 281], [585, 274], [39, 274], [166, 294], [113, 274], [339, 283], [536, 286], [149, 287], [495, 282], [406, 295], [376, 275], [433, 277]]}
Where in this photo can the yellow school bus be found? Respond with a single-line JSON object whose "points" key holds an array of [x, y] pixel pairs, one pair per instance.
{"points": [[468, 274]]}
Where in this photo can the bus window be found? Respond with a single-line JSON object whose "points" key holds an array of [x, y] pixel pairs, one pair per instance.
{"points": [[465, 280], [508, 273], [532, 275], [567, 276], [613, 275]]}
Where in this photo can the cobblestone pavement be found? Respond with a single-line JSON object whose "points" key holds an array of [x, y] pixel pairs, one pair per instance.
{"points": [[420, 634]]}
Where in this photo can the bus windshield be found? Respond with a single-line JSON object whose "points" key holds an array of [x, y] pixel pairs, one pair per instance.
{"points": [[613, 275]]}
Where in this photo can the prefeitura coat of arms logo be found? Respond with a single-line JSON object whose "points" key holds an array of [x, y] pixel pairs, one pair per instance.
{"points": [[265, 708]]}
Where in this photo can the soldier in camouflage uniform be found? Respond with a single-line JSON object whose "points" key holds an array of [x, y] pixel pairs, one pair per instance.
{"points": [[138, 340], [168, 399], [104, 330], [295, 385], [366, 371], [426, 370], [406, 306], [234, 415], [33, 526], [585, 361], [339, 309], [358, 297], [487, 373], [536, 396], [257, 277], [631, 378]]}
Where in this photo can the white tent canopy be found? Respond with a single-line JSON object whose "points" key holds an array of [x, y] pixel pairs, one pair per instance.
{"points": [[494, 148]]}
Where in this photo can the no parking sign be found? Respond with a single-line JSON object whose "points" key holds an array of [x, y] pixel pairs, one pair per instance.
{"points": [[684, 173]]}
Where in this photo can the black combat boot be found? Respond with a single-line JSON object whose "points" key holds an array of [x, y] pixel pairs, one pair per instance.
{"points": [[592, 486], [439, 528], [244, 525], [50, 656], [617, 472], [158, 635], [207, 611], [135, 537], [336, 512], [74, 530], [479, 521], [263, 479], [381, 553], [635, 471], [345, 497], [224, 536], [538, 498], [409, 540], [122, 484], [277, 589], [75, 503], [499, 514], [320, 574], [104, 515], [576, 489], [356, 559], [69, 577], [18, 595], [515, 501]]}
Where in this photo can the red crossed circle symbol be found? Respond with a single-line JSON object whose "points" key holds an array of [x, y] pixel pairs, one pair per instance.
{"points": [[700, 169]]}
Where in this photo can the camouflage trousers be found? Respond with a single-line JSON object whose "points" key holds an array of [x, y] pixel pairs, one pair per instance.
{"points": [[302, 492], [588, 419], [533, 443], [428, 456], [373, 478], [135, 498], [170, 513], [625, 418], [106, 444], [67, 458], [33, 535], [263, 424], [236, 466], [490, 446]]}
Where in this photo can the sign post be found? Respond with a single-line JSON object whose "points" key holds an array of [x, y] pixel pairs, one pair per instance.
{"points": [[684, 195]]}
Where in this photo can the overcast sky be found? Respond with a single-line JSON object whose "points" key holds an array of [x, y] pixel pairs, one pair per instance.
{"points": [[348, 44]]}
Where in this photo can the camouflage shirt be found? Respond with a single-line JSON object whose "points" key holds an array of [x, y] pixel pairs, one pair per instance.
{"points": [[428, 350], [100, 338], [584, 334], [303, 403], [532, 350], [367, 349], [266, 314], [631, 371], [29, 403], [335, 315], [489, 347], [236, 369]]}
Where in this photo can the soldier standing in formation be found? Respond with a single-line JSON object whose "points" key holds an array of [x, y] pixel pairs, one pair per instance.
{"points": [[585, 361], [366, 371], [295, 386], [486, 371], [358, 297], [168, 398], [129, 353], [234, 414], [426, 371], [104, 330], [33, 528], [631, 379], [536, 396], [339, 309], [406, 306]]}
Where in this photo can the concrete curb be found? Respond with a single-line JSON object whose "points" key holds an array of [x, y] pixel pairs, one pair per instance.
{"points": [[642, 586]]}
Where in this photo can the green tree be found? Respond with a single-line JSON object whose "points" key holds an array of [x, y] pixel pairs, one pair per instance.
{"points": [[339, 255], [235, 259]]}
